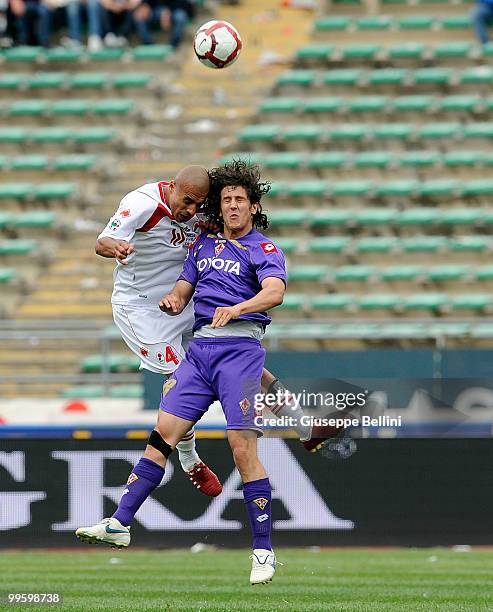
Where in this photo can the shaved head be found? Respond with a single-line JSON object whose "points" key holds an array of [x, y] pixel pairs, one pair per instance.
{"points": [[195, 177]]}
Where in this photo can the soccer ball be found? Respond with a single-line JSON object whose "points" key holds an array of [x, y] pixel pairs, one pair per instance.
{"points": [[217, 44]]}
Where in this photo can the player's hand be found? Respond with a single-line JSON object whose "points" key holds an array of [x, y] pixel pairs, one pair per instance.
{"points": [[123, 250], [224, 314], [171, 304]]}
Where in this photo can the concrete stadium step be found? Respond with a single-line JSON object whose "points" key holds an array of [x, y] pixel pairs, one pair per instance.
{"points": [[64, 311]]}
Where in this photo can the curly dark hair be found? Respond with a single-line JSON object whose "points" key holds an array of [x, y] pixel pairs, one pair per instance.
{"points": [[236, 173]]}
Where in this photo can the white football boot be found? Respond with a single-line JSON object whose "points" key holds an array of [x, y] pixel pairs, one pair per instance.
{"points": [[263, 566], [108, 531]]}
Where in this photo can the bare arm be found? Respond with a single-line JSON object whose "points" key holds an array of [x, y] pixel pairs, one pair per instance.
{"points": [[178, 298], [118, 249], [272, 294]]}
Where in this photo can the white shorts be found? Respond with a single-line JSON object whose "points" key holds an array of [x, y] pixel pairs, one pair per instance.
{"points": [[158, 339]]}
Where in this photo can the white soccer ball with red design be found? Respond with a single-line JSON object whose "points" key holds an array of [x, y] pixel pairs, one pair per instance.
{"points": [[217, 44]]}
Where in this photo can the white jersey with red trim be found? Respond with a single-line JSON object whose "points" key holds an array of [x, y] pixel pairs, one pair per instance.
{"points": [[144, 219]]}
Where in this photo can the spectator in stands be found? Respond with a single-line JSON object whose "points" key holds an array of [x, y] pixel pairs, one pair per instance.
{"points": [[95, 19], [32, 21], [482, 16], [167, 14], [118, 20]]}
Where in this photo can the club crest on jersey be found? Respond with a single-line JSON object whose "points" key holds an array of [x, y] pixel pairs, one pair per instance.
{"points": [[245, 406], [132, 478], [219, 248], [125, 213], [261, 502], [144, 352], [160, 357], [115, 224], [268, 247]]}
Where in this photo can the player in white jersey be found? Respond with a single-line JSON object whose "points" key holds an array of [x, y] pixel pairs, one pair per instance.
{"points": [[149, 236]]}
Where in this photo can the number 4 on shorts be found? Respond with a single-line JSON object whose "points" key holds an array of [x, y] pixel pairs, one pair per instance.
{"points": [[171, 356]]}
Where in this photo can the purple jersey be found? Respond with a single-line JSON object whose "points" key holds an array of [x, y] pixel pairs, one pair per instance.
{"points": [[227, 272]]}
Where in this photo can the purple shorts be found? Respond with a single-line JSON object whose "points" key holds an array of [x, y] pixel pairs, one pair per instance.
{"points": [[227, 369]]}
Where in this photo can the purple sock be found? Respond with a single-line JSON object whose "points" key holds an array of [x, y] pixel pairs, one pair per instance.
{"points": [[145, 477], [258, 496]]}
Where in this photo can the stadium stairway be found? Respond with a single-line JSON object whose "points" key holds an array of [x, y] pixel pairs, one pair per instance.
{"points": [[77, 133]]}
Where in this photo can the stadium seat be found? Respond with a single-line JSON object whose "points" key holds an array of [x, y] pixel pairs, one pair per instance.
{"points": [[293, 301], [448, 272], [300, 78], [478, 130], [354, 273], [47, 80], [461, 216], [254, 133], [412, 103], [342, 77], [28, 107], [349, 131], [480, 187], [454, 22], [462, 158], [287, 245], [51, 191], [74, 162], [88, 135], [288, 217], [484, 273], [29, 162], [332, 301], [70, 107], [337, 23], [17, 247], [85, 80], [434, 131], [360, 51], [398, 188], [313, 189], [432, 76], [320, 51], [453, 49], [477, 75], [358, 188], [380, 301], [375, 216], [34, 219], [17, 191], [113, 107], [302, 132], [106, 55], [393, 131], [375, 244], [423, 244], [63, 54], [416, 22], [328, 244], [307, 273], [22, 53], [425, 301], [151, 52], [115, 363], [438, 187], [460, 103], [408, 50], [290, 160], [418, 216], [401, 273], [328, 159], [472, 301], [419, 159], [50, 135], [280, 105], [378, 22], [469, 243], [11, 80], [127, 392], [330, 217], [322, 105], [83, 392], [7, 275], [373, 159], [131, 79], [368, 104], [387, 76]]}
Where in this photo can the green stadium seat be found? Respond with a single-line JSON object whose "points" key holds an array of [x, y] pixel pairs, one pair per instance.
{"points": [[406, 329], [36, 219], [417, 216], [453, 49], [425, 301], [393, 131], [412, 50], [477, 75], [11, 80], [337, 23], [51, 134], [314, 189], [420, 104], [460, 103], [398, 188], [379, 22], [290, 160], [47, 80], [93, 135], [127, 392], [447, 328], [375, 216], [354, 273], [368, 104], [484, 273], [7, 275], [328, 244], [248, 156], [349, 131], [83, 392], [380, 301], [472, 301], [416, 22], [419, 159], [478, 130], [277, 189], [307, 273], [300, 78], [17, 247], [322, 105], [387, 76], [28, 107], [29, 162], [375, 244], [288, 217], [332, 301], [287, 245], [361, 51], [23, 54], [113, 107], [151, 52], [342, 77], [330, 217], [5, 219], [255, 133], [356, 330], [302, 132], [280, 105], [74, 162], [70, 107], [18, 191], [439, 130], [469, 243], [328, 159], [50, 191], [482, 330], [85, 80], [461, 216], [449, 272], [454, 22], [293, 301], [131, 79], [315, 51], [373, 159], [106, 55], [355, 187], [401, 273], [432, 76], [115, 363], [423, 244], [480, 187], [63, 54], [462, 158], [438, 187]]}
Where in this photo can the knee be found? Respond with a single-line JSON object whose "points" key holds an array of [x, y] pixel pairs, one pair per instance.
{"points": [[242, 456]]}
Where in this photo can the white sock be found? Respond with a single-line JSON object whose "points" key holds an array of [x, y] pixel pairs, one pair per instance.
{"points": [[186, 451], [288, 407]]}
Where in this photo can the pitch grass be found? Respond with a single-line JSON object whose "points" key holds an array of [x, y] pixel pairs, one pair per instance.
{"points": [[177, 580]]}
